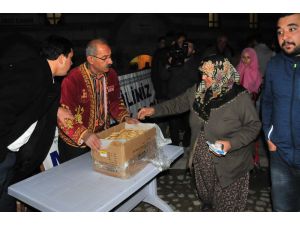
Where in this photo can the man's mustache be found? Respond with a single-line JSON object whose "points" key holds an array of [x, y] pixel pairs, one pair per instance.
{"points": [[287, 42]]}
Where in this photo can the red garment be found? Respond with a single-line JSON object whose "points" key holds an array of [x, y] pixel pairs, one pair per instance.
{"points": [[78, 95]]}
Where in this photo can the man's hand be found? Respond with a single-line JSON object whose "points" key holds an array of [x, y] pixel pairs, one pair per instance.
{"points": [[146, 111], [91, 140], [271, 146], [63, 115], [131, 120]]}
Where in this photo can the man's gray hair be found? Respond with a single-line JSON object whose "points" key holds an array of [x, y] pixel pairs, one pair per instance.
{"points": [[91, 46]]}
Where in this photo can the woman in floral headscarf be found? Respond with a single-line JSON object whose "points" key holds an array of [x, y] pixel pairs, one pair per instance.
{"points": [[221, 112]]}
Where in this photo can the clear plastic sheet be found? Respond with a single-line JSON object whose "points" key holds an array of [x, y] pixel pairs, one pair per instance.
{"points": [[160, 160]]}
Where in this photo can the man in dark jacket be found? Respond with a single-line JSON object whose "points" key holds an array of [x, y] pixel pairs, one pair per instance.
{"points": [[29, 105], [180, 76], [280, 115], [159, 60]]}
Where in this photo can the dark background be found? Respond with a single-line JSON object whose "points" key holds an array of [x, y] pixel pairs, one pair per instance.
{"points": [[132, 34]]}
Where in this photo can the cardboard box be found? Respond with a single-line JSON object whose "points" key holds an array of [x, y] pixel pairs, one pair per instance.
{"points": [[124, 159]]}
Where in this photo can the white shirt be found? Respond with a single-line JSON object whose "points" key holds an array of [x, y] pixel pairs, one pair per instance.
{"points": [[23, 139]]}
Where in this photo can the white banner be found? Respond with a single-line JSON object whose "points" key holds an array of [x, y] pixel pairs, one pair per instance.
{"points": [[137, 92], [52, 158]]}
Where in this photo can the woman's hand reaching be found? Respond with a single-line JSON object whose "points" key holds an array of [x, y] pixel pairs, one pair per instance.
{"points": [[146, 111]]}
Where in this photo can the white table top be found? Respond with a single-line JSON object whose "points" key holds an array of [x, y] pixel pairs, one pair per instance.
{"points": [[75, 186]]}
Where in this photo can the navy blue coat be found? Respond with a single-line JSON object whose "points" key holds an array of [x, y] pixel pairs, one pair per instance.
{"points": [[281, 107]]}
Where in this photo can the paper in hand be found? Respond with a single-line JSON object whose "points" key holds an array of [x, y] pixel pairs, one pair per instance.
{"points": [[216, 149]]}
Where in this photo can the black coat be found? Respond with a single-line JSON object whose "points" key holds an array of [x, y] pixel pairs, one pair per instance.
{"points": [[27, 95], [179, 79], [160, 85]]}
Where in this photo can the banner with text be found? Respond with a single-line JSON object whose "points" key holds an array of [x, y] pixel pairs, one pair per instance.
{"points": [[137, 90]]}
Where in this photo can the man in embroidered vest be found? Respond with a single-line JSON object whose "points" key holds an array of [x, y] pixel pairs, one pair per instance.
{"points": [[91, 92]]}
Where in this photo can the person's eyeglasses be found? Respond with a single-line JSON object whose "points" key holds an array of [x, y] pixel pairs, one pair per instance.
{"points": [[102, 58]]}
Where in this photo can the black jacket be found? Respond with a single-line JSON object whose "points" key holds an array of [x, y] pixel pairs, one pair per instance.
{"points": [[179, 79], [27, 95], [159, 60]]}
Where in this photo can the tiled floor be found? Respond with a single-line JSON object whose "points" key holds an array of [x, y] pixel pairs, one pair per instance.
{"points": [[176, 188]]}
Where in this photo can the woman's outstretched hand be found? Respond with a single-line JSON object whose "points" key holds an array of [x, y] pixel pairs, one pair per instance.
{"points": [[146, 111]]}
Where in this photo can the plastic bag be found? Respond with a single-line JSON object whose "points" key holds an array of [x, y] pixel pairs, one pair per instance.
{"points": [[160, 160]]}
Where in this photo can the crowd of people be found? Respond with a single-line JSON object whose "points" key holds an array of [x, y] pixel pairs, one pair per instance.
{"points": [[267, 83], [211, 98]]}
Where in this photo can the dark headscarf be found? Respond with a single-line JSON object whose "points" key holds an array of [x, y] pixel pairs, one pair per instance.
{"points": [[224, 88]]}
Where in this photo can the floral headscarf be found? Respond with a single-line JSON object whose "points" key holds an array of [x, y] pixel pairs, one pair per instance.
{"points": [[224, 77]]}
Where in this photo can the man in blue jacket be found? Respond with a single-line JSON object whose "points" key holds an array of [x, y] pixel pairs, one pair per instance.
{"points": [[281, 115]]}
